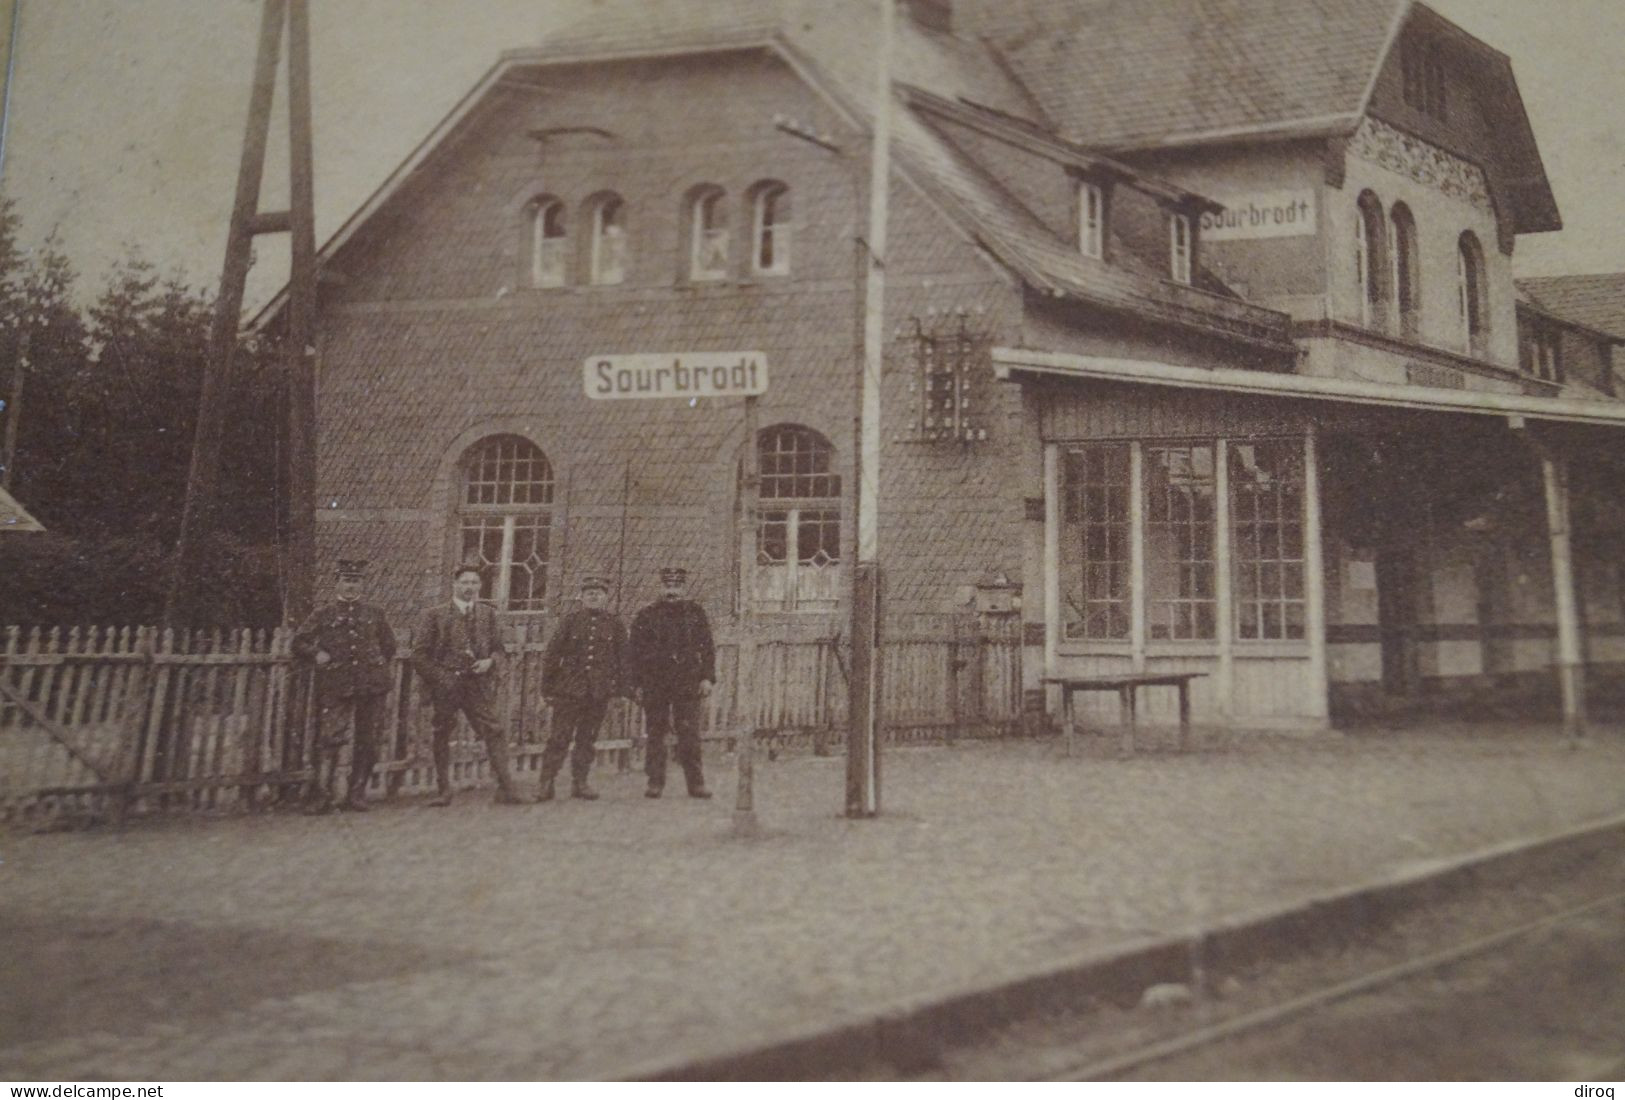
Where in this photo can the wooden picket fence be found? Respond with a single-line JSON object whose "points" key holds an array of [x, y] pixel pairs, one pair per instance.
{"points": [[107, 721]]}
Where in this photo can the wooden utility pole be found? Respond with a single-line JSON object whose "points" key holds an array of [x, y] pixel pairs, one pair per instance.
{"points": [[199, 514], [863, 739], [744, 824]]}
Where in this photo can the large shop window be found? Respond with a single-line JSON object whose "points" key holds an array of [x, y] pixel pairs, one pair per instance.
{"points": [[1175, 535], [1179, 526], [505, 519], [1266, 489], [798, 533], [1095, 543]]}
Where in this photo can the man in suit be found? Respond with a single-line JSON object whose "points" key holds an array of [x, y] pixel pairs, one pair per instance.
{"points": [[583, 667], [351, 645], [674, 665], [458, 652]]}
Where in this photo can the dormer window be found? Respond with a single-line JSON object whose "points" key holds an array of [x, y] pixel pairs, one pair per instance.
{"points": [[770, 235], [708, 235], [1181, 248], [549, 244], [1092, 220], [607, 248], [1542, 352]]}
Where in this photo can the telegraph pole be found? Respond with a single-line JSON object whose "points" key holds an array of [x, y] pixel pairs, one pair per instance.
{"points": [[200, 511], [863, 739]]}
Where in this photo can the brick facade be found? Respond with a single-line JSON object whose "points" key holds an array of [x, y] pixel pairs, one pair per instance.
{"points": [[433, 341]]}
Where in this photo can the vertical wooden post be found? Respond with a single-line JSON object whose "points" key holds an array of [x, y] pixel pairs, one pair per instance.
{"points": [[744, 819], [1136, 542], [197, 512], [1314, 577], [1570, 664], [300, 569], [863, 747], [1052, 581], [1224, 684]]}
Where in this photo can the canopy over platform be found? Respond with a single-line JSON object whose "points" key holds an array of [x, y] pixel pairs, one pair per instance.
{"points": [[1013, 361]]}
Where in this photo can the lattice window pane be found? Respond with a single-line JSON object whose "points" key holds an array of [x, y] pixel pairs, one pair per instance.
{"points": [[505, 521], [1095, 542], [527, 565], [482, 538], [1180, 486], [1266, 489]]}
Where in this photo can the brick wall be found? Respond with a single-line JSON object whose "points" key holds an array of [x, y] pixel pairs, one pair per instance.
{"points": [[432, 341]]}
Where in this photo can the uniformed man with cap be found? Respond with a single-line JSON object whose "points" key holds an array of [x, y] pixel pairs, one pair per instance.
{"points": [[674, 664], [350, 643], [583, 667]]}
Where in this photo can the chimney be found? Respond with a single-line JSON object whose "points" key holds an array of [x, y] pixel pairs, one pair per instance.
{"points": [[933, 15]]}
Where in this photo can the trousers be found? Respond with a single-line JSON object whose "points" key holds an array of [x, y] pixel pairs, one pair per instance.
{"points": [[574, 721], [666, 715], [475, 698], [364, 715]]}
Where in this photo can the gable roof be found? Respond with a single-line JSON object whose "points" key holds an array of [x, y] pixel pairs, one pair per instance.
{"points": [[1132, 75], [831, 43], [1594, 301]]}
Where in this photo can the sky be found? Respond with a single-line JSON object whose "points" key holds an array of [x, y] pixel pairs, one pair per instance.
{"points": [[127, 115]]}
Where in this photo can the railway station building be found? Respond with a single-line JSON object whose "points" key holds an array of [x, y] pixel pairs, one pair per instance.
{"points": [[1204, 351]]}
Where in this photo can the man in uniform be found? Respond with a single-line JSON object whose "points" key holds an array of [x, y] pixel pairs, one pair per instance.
{"points": [[582, 668], [458, 652], [351, 645], [674, 665]]}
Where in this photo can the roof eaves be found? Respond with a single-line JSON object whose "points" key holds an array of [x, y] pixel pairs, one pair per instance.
{"points": [[1027, 136], [1292, 129]]}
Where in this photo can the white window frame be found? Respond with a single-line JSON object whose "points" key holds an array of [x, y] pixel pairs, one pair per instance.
{"points": [[602, 228], [777, 234], [549, 256], [780, 586], [1472, 293], [1091, 219], [708, 234], [1181, 245], [507, 517]]}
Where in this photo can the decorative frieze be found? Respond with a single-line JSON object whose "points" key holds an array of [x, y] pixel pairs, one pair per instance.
{"points": [[1381, 144]]}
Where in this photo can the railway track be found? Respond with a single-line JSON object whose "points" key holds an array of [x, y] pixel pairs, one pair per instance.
{"points": [[1302, 1006]]}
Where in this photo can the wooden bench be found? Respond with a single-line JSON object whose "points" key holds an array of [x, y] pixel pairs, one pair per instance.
{"points": [[1126, 686]]}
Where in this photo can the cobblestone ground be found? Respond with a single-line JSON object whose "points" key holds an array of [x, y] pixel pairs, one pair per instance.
{"points": [[575, 940]]}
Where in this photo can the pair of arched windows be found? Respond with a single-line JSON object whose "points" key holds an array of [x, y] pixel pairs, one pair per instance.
{"points": [[1388, 266], [603, 240], [505, 520], [602, 243], [709, 237]]}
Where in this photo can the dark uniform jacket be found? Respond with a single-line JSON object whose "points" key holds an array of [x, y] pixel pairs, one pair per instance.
{"points": [[586, 657], [357, 639], [448, 642], [671, 649]]}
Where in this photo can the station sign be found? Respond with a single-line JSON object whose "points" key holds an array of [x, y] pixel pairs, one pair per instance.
{"points": [[1257, 215], [675, 374]]}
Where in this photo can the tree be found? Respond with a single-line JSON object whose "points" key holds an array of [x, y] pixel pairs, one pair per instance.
{"points": [[105, 440]]}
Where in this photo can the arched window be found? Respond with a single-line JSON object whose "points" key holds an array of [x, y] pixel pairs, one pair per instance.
{"points": [[770, 232], [707, 234], [1472, 294], [798, 531], [549, 243], [606, 246], [1407, 271], [1371, 260], [505, 513]]}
